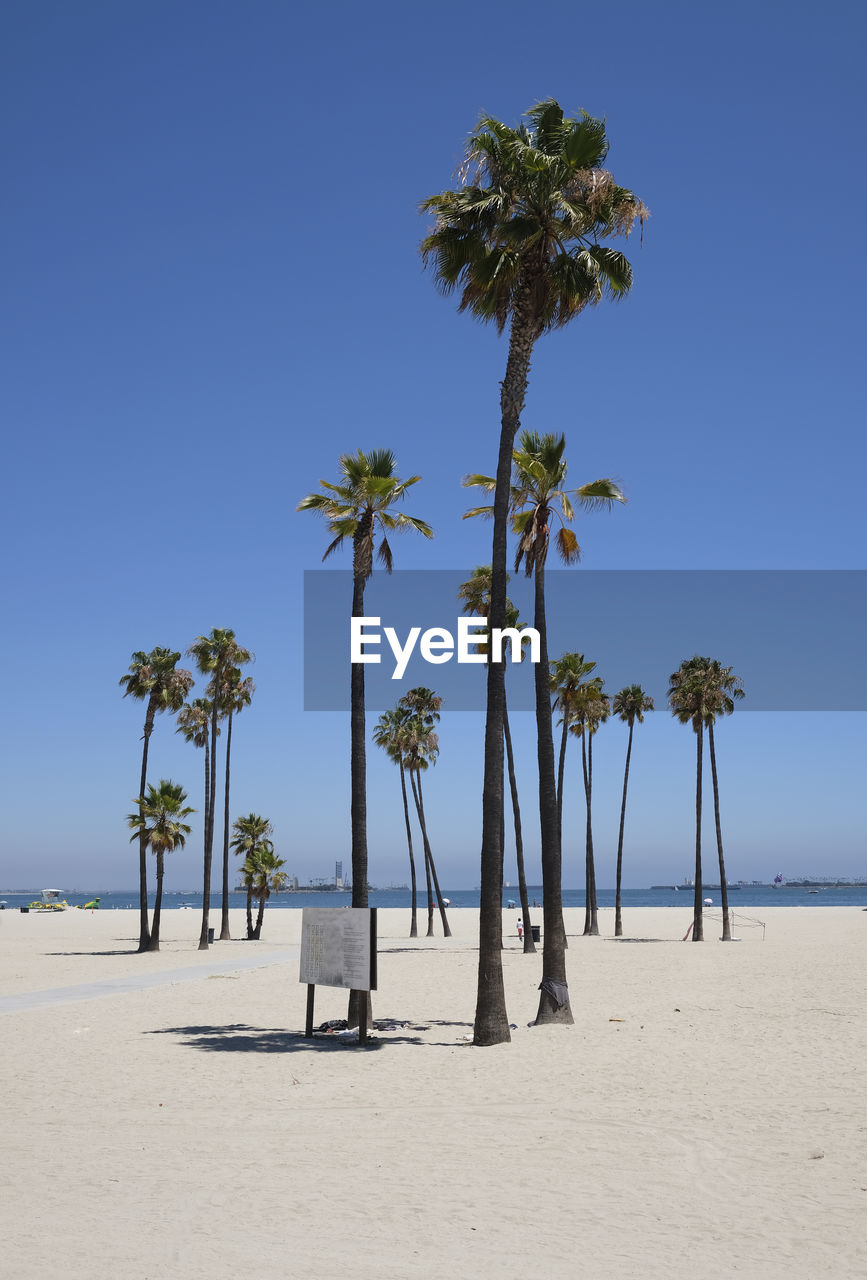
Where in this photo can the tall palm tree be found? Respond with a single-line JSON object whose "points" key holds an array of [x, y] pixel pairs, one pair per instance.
{"points": [[591, 709], [567, 675], [537, 496], [476, 596], [699, 691], [391, 734], [155, 679], [252, 838], [360, 509], [235, 694], [422, 747], [711, 690], [520, 238], [630, 704], [215, 656], [263, 874], [194, 722], [159, 822]]}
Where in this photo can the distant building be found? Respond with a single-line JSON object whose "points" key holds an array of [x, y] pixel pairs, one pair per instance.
{"points": [[338, 875]]}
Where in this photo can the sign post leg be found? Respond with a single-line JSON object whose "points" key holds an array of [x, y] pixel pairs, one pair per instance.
{"points": [[308, 1029], [362, 1017]]}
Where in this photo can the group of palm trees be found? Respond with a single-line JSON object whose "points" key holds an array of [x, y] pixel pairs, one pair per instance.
{"points": [[520, 240], [155, 679], [409, 739]]}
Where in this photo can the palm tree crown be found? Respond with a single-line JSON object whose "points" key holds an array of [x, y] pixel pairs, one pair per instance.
{"points": [[701, 690], [537, 493], [357, 507], [630, 704], [160, 817], [155, 678], [522, 231]]}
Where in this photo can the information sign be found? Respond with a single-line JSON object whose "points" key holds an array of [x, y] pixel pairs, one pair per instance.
{"points": [[338, 947]]}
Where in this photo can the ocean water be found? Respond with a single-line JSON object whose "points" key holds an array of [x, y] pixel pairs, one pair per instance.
{"points": [[752, 896]]}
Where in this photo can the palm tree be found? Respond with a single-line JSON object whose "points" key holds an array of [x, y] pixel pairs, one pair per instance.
{"points": [[699, 691], [236, 693], [194, 722], [520, 239], [630, 704], [360, 508], [714, 689], [391, 734], [476, 596], [252, 838], [591, 709], [215, 655], [422, 748], [155, 679], [263, 875], [537, 496], [567, 675], [159, 823]]}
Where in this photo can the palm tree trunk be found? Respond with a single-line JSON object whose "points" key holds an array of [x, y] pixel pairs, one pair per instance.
{"points": [[154, 944], [529, 944], [413, 923], [697, 918], [250, 933], [257, 932], [447, 933], [724, 892], [144, 929], [358, 769], [586, 932], [430, 893], [618, 922], [225, 935], [554, 1003], [560, 771], [209, 822], [591, 861], [491, 1025]]}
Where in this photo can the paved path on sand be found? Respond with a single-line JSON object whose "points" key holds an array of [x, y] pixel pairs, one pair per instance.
{"points": [[50, 996]]}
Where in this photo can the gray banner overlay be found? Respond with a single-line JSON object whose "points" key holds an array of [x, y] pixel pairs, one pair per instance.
{"points": [[797, 638]]}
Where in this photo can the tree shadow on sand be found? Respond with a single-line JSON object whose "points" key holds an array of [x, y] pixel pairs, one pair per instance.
{"points": [[240, 1037], [125, 951]]}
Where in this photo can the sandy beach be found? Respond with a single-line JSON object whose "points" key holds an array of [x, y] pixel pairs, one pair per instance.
{"points": [[705, 1115]]}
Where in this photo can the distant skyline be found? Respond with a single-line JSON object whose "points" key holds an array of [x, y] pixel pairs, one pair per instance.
{"points": [[212, 289]]}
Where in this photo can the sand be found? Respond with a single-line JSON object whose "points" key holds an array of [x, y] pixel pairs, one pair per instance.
{"points": [[704, 1117]]}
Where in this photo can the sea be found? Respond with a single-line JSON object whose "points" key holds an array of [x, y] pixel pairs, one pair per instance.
{"points": [[741, 896]]}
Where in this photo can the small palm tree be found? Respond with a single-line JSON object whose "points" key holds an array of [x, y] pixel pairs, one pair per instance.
{"points": [[476, 596], [235, 694], [520, 238], [252, 839], [537, 496], [630, 704], [264, 875], [392, 734], [215, 656], [567, 676], [159, 823], [360, 509], [194, 723], [155, 679], [591, 709], [422, 750], [700, 690]]}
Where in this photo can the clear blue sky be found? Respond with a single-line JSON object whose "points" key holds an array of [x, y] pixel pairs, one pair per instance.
{"points": [[211, 289]]}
